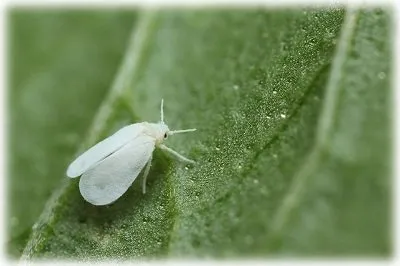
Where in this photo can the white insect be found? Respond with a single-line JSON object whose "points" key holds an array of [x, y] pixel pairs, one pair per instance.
{"points": [[109, 168]]}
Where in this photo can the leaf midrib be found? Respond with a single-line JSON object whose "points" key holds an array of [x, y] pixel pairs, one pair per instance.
{"points": [[141, 33]]}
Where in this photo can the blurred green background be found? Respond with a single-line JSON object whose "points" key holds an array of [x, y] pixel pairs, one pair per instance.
{"points": [[293, 146], [61, 65]]}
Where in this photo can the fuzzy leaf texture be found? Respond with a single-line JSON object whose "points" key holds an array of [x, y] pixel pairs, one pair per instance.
{"points": [[293, 146]]}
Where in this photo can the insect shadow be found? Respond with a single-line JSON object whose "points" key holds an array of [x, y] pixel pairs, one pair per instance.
{"points": [[132, 202]]}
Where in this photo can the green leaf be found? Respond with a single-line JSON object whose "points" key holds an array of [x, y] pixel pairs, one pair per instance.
{"points": [[61, 65], [293, 143]]}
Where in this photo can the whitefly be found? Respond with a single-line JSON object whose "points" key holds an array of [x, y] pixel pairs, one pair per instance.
{"points": [[109, 168]]}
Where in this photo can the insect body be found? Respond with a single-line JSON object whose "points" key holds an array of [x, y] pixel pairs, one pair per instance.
{"points": [[109, 168]]}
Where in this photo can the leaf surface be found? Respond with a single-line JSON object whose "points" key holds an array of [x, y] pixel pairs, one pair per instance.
{"points": [[293, 151]]}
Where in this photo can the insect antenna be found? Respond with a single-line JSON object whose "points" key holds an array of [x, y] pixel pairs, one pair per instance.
{"points": [[181, 131], [162, 111]]}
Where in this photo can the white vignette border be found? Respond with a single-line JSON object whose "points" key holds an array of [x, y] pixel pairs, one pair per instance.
{"points": [[6, 4]]}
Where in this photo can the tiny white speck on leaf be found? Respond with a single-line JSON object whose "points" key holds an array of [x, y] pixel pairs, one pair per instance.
{"points": [[381, 75]]}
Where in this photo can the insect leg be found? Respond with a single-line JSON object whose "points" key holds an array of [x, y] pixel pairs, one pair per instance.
{"points": [[181, 157], [146, 173]]}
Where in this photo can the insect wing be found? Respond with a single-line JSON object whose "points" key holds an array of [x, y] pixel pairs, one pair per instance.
{"points": [[103, 149], [112, 177]]}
